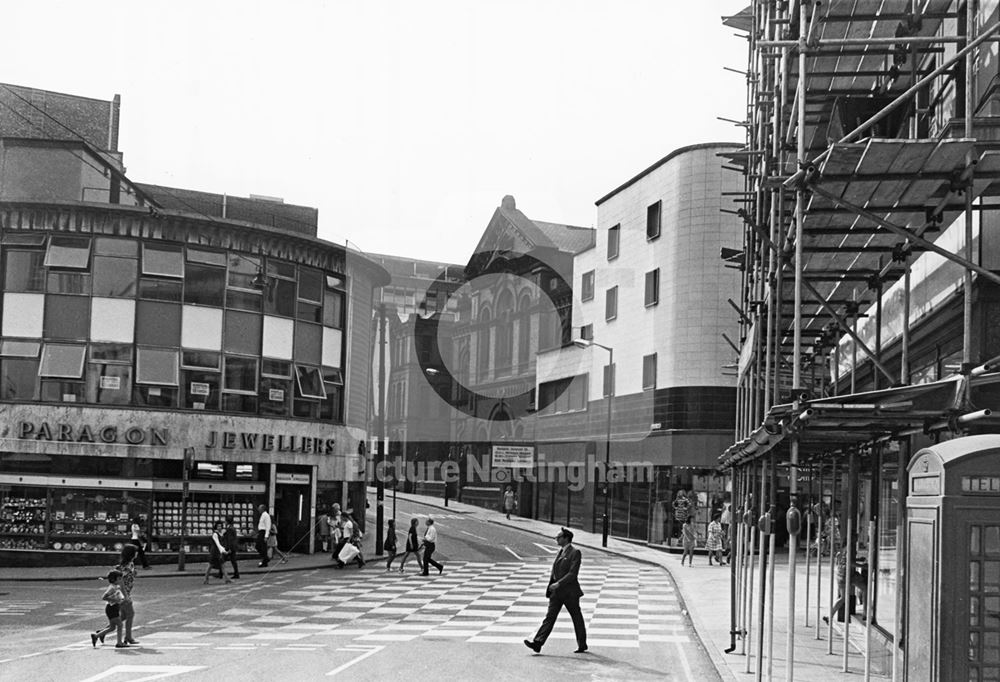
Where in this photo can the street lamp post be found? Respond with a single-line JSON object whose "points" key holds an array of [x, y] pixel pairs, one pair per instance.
{"points": [[587, 343]]}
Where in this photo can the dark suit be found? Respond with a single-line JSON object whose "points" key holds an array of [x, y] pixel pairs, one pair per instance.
{"points": [[564, 590]]}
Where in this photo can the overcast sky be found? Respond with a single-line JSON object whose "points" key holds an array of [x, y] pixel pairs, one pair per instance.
{"points": [[404, 122]]}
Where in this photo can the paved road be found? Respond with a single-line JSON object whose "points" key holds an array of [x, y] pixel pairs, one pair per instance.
{"points": [[367, 624]]}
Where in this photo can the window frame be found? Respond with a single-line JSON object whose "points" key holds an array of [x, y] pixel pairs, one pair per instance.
{"points": [[654, 209], [653, 300], [616, 231], [649, 367], [587, 285], [611, 301]]}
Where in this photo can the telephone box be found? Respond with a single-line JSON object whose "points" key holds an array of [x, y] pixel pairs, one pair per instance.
{"points": [[952, 574]]}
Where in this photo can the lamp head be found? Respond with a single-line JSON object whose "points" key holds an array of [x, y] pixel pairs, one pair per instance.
{"points": [[583, 343]]}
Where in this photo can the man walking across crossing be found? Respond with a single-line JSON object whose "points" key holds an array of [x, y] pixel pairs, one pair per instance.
{"points": [[563, 590]]}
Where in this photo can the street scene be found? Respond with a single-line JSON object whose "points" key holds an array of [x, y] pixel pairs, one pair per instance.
{"points": [[365, 623], [500, 341]]}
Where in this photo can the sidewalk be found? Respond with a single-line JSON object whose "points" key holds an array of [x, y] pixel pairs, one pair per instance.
{"points": [[704, 593]]}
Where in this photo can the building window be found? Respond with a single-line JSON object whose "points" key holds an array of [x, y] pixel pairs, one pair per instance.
{"points": [[310, 296], [156, 366], [611, 303], [23, 271], [280, 296], [68, 252], [652, 287], [563, 395], [649, 371], [204, 284], [653, 220], [609, 380], [587, 332], [587, 286], [62, 361], [160, 260], [613, 234], [310, 382], [239, 374]]}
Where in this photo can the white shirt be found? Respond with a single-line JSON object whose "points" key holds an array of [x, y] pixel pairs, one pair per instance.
{"points": [[431, 534], [265, 523], [347, 530], [135, 531]]}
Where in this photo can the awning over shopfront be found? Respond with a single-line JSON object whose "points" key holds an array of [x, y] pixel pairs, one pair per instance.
{"points": [[837, 425]]}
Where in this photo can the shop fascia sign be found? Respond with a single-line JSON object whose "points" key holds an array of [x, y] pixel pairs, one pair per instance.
{"points": [[267, 442], [69, 433]]}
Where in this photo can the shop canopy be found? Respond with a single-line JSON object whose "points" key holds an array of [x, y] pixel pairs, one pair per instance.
{"points": [[841, 424]]}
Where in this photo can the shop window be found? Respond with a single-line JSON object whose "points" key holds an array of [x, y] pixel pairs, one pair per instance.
{"points": [[158, 324], [239, 402], [61, 360], [216, 258], [649, 371], [201, 328], [652, 296], [23, 271], [109, 384], [653, 214], [277, 338], [310, 382], [611, 303], [11, 348], [240, 374], [156, 366], [194, 359], [61, 282], [112, 320], [201, 390], [333, 305], [243, 271], [587, 286], [162, 260], [62, 391], [68, 252], [204, 284], [308, 343], [114, 277], [276, 368], [242, 333], [118, 353], [154, 396], [159, 289], [109, 246], [275, 396], [22, 315], [279, 298], [244, 300], [20, 379], [614, 233]]}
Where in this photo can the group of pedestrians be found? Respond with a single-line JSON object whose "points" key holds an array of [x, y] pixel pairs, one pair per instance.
{"points": [[414, 545], [344, 532], [119, 609]]}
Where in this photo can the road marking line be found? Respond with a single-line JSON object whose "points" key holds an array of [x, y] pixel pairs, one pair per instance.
{"points": [[480, 537], [684, 663], [546, 548], [514, 553], [370, 652], [160, 671]]}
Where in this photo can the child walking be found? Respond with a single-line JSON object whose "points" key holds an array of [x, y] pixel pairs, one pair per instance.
{"points": [[390, 543], [216, 554], [272, 546], [688, 539], [114, 597], [714, 541]]}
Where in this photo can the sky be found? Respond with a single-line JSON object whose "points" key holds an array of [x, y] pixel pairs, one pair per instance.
{"points": [[404, 123]]}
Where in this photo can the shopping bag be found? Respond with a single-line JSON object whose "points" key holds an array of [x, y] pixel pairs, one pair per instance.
{"points": [[348, 553]]}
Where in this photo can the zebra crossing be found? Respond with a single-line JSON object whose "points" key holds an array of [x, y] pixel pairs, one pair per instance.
{"points": [[625, 606]]}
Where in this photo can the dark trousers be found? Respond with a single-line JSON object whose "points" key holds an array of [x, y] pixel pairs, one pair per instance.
{"points": [[429, 558], [262, 547], [141, 553], [572, 605]]}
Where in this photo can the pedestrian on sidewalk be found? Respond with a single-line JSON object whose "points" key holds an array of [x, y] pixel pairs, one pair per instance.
{"points": [[713, 543], [263, 531], [272, 546], [563, 590], [726, 520], [390, 543], [351, 535], [337, 540], [114, 598], [323, 528], [859, 581], [509, 501], [430, 544], [231, 541], [138, 539], [216, 554], [126, 566], [689, 538], [412, 545]]}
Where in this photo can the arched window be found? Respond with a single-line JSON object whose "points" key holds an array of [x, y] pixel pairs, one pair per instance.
{"points": [[524, 333], [483, 344], [505, 333]]}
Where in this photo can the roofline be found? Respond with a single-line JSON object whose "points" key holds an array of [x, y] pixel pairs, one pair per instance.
{"points": [[676, 152], [62, 94]]}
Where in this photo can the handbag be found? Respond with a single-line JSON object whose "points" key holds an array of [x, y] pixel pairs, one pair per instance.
{"points": [[348, 553]]}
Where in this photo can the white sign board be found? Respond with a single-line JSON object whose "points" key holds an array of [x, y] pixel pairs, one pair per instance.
{"points": [[513, 457]]}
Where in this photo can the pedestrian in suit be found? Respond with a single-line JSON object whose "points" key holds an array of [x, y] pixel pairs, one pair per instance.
{"points": [[430, 544], [563, 590]]}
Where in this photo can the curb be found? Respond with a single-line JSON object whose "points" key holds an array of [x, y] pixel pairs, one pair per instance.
{"points": [[146, 575]]}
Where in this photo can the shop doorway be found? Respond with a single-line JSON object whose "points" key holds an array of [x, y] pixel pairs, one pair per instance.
{"points": [[291, 507]]}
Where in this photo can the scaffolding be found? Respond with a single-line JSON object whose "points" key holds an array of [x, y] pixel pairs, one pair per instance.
{"points": [[873, 139]]}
